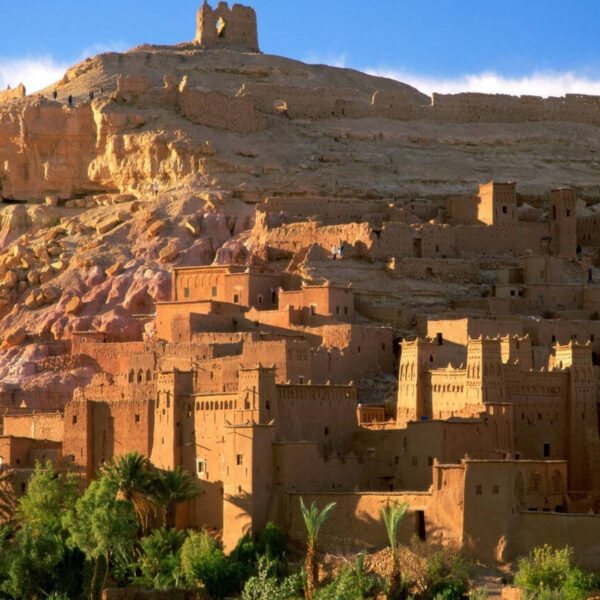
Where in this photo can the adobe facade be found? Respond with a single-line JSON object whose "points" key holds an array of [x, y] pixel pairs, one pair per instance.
{"points": [[262, 383]]}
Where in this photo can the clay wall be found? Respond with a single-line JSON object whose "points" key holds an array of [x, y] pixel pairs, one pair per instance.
{"points": [[23, 452], [579, 531], [293, 237], [301, 102], [219, 110], [12, 94], [43, 426], [458, 331], [461, 210], [325, 414], [393, 105], [493, 493], [322, 300], [355, 523], [327, 210], [446, 269], [588, 231], [111, 358]]}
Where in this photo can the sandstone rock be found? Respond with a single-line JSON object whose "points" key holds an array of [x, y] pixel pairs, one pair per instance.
{"points": [[114, 269], [74, 306], [123, 198], [105, 226], [15, 337], [155, 228], [49, 294], [169, 253], [51, 201], [30, 301]]}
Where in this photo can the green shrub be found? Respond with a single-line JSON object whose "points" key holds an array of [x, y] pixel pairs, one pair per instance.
{"points": [[546, 571], [447, 576], [159, 561], [351, 583], [266, 586], [203, 562], [271, 541]]}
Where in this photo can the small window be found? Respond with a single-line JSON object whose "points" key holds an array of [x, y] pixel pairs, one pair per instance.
{"points": [[383, 345], [74, 419], [396, 460], [504, 210], [268, 405], [478, 490], [23, 487], [495, 489], [239, 459], [440, 338], [430, 461], [337, 310], [236, 298], [137, 418], [345, 310], [326, 431], [259, 298], [568, 212], [200, 465], [213, 291], [512, 292], [371, 452], [358, 349], [546, 450], [186, 292]]}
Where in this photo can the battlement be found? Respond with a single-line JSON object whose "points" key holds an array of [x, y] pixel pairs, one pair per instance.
{"points": [[224, 26]]}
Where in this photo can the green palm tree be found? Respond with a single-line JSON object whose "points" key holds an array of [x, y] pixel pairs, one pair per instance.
{"points": [[135, 482], [392, 517], [313, 521], [172, 488]]}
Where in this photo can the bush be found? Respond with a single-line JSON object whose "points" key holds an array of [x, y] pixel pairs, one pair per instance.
{"points": [[351, 583], [266, 585], [159, 560], [447, 576], [546, 571], [203, 561], [271, 541]]}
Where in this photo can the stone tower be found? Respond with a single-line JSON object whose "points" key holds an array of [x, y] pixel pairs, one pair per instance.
{"points": [[417, 358], [233, 27], [485, 379], [497, 203], [582, 441], [563, 222]]}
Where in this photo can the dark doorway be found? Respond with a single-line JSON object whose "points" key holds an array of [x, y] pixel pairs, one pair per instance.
{"points": [[417, 248], [420, 524]]}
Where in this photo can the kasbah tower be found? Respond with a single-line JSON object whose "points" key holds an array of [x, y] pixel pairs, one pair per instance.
{"points": [[218, 260]]}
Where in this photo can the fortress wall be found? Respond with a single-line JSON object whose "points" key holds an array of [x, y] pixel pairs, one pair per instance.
{"points": [[306, 103], [471, 239], [292, 237], [218, 110], [43, 426]]}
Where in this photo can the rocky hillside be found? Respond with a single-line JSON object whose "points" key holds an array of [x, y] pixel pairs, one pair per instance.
{"points": [[86, 245]]}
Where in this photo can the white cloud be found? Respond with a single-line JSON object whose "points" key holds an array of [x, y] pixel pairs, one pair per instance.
{"points": [[35, 72], [536, 84], [38, 72]]}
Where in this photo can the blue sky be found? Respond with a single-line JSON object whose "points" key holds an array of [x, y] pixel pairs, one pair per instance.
{"points": [[545, 47]]}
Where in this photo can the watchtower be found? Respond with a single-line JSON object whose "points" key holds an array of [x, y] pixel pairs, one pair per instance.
{"points": [[227, 27], [563, 222], [497, 203]]}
